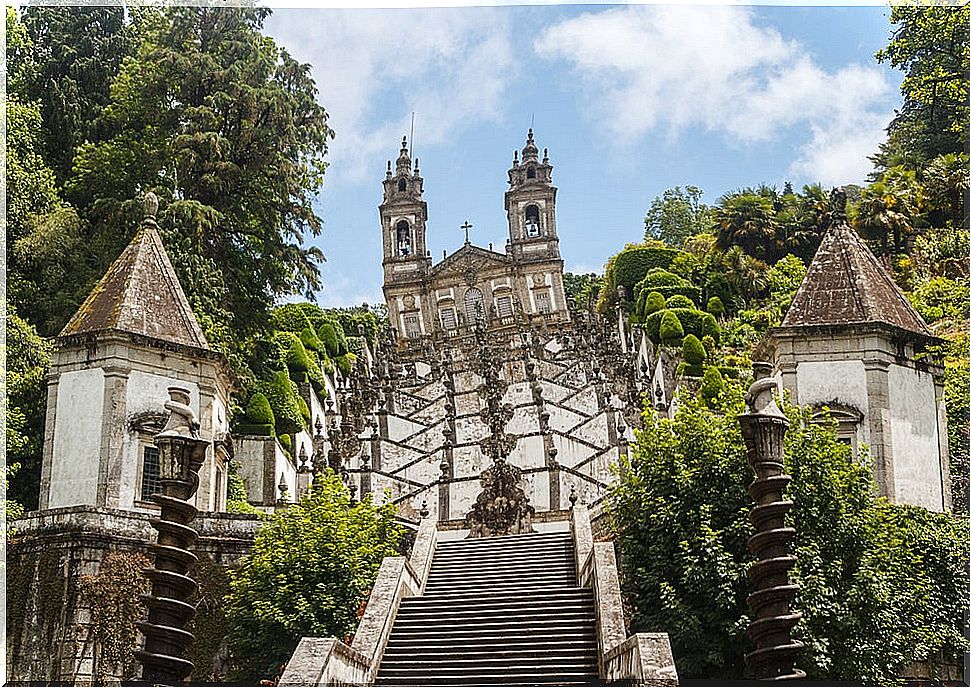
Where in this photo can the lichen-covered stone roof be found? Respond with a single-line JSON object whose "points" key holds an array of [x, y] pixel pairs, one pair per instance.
{"points": [[846, 284], [140, 294]]}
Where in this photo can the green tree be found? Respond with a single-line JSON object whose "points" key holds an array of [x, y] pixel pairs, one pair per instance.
{"points": [[582, 288], [889, 211], [931, 45], [223, 125], [881, 585], [75, 53], [677, 215], [28, 356], [746, 219], [311, 567]]}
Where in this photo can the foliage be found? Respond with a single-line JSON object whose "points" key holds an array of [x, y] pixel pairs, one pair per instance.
{"points": [[210, 624], [677, 215], [940, 298], [881, 585], [345, 363], [283, 397], [666, 284], [890, 210], [671, 331], [258, 410], [224, 126], [680, 301], [28, 356], [715, 306], [957, 396], [694, 353], [654, 302], [694, 322], [113, 594], [310, 568], [712, 386], [582, 288], [237, 501]]}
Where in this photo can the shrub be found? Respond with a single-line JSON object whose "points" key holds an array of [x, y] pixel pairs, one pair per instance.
{"points": [[286, 442], [258, 410], [282, 395], [634, 262], [654, 303], [346, 363], [694, 322], [304, 410], [310, 569], [330, 338], [310, 340], [694, 353], [715, 306], [710, 345], [667, 284], [680, 301], [712, 388], [689, 370], [289, 318], [295, 355], [259, 430], [671, 331]]}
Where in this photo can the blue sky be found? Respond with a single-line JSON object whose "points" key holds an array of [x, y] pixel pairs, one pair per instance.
{"points": [[629, 100]]}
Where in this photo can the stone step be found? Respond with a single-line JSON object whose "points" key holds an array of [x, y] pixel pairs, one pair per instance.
{"points": [[521, 586], [510, 652], [511, 605], [507, 680], [502, 594], [501, 560], [515, 612], [564, 620], [562, 573], [581, 639]]}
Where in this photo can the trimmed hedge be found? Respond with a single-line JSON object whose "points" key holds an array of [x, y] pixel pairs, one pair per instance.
{"points": [[330, 338], [258, 410], [694, 353], [667, 284], [310, 340], [712, 387], [632, 264], [695, 322], [689, 370], [715, 306], [680, 301], [654, 302], [282, 395], [346, 363], [670, 328], [289, 318]]}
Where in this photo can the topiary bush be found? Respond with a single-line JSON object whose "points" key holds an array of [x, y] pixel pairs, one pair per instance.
{"points": [[671, 331], [282, 395], [346, 363], [289, 318], [695, 322], [258, 417], [712, 386], [680, 301], [286, 442], [330, 338], [667, 284], [654, 302], [715, 306], [310, 340], [694, 353], [634, 262]]}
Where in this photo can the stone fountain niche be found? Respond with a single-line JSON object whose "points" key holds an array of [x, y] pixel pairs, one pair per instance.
{"points": [[502, 507]]}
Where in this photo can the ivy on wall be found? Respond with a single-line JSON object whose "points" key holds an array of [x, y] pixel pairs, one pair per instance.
{"points": [[210, 625], [112, 594]]}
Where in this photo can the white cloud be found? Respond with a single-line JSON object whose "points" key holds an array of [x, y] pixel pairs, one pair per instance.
{"points": [[451, 67], [714, 68]]}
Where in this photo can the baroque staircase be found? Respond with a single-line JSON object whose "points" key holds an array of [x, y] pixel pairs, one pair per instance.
{"points": [[496, 611]]}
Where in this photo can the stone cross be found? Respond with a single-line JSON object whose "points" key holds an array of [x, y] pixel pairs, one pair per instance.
{"points": [[466, 226]]}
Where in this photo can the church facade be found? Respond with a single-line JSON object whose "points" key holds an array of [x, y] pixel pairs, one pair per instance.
{"points": [[443, 299]]}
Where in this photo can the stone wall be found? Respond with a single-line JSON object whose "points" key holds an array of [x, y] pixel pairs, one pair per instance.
{"points": [[54, 632]]}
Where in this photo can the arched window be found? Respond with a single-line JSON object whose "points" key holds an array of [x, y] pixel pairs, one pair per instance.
{"points": [[403, 238], [402, 185], [530, 173], [532, 221], [474, 305]]}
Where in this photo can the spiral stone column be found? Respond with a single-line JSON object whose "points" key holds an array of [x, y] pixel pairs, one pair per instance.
{"points": [[181, 454], [764, 427]]}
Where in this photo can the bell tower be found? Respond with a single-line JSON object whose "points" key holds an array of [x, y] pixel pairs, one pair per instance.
{"points": [[404, 214], [530, 204]]}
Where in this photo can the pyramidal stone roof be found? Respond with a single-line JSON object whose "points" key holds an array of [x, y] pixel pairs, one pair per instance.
{"points": [[140, 294], [846, 284]]}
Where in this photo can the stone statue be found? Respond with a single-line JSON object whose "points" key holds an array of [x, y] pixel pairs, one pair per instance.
{"points": [[502, 507]]}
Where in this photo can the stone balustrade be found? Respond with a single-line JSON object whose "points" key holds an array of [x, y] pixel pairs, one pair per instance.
{"points": [[328, 661], [641, 659]]}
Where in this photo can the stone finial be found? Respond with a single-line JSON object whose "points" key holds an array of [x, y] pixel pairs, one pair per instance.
{"points": [[837, 201], [150, 202]]}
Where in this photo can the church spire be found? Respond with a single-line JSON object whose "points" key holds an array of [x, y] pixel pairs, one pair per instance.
{"points": [[530, 152]]}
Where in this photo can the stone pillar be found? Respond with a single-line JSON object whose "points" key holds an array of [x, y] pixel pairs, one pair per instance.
{"points": [[48, 455], [880, 426], [764, 427]]}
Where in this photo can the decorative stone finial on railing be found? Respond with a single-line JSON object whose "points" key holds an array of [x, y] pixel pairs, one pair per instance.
{"points": [[181, 454], [764, 427], [150, 203]]}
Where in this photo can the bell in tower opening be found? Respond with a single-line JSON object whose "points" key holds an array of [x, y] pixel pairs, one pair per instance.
{"points": [[403, 239]]}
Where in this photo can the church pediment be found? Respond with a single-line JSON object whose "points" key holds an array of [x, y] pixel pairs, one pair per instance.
{"points": [[469, 260]]}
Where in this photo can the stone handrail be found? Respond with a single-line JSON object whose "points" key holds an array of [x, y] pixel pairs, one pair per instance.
{"points": [[644, 658], [328, 661]]}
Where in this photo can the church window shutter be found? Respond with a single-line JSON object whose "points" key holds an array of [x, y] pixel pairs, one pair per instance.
{"points": [[503, 306], [150, 473], [474, 305], [543, 304]]}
